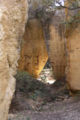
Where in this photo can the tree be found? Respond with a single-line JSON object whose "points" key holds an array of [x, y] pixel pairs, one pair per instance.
{"points": [[49, 7]]}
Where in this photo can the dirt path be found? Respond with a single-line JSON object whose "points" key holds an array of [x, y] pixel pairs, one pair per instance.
{"points": [[35, 100], [68, 109]]}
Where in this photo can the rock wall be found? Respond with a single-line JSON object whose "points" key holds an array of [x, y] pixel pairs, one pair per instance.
{"points": [[51, 21], [73, 47], [73, 59], [13, 16], [33, 54], [56, 49]]}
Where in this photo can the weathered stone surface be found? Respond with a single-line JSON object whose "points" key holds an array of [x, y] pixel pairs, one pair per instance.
{"points": [[73, 48], [57, 48], [33, 54], [73, 59], [13, 16]]}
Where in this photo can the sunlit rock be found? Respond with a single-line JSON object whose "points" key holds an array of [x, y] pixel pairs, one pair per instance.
{"points": [[13, 16], [33, 54]]}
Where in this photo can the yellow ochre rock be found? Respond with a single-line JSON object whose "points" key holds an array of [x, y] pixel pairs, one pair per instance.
{"points": [[34, 53]]}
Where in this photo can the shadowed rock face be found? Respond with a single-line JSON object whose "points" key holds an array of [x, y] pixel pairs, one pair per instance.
{"points": [[56, 50], [35, 4], [13, 16], [34, 53]]}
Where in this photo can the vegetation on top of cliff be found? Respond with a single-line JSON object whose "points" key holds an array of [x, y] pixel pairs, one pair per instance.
{"points": [[45, 9]]}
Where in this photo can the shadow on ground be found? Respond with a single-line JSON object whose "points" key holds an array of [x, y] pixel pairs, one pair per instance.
{"points": [[33, 94]]}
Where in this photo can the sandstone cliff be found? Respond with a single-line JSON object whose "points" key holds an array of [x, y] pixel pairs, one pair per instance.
{"points": [[13, 16], [57, 53], [34, 53]]}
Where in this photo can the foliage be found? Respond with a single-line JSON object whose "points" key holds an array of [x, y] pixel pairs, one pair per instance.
{"points": [[32, 87], [48, 2], [49, 8]]}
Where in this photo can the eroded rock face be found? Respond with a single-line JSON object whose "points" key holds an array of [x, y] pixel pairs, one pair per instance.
{"points": [[56, 50], [73, 48], [13, 16], [34, 53], [73, 59]]}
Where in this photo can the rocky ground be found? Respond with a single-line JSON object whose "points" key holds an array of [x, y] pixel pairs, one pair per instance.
{"points": [[38, 100], [66, 110]]}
